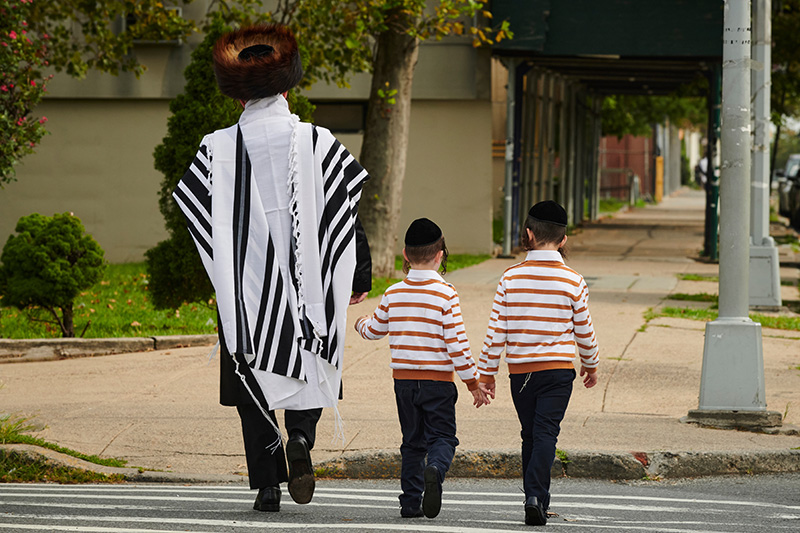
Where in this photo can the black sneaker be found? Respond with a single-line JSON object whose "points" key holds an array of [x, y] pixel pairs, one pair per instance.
{"points": [[535, 514], [432, 498]]}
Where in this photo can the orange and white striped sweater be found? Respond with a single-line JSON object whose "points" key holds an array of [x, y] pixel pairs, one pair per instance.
{"points": [[540, 313], [427, 339]]}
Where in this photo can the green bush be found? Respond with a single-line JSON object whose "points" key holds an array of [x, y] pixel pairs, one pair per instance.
{"points": [[176, 272], [47, 264]]}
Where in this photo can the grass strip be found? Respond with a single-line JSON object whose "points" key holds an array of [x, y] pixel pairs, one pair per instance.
{"points": [[701, 297], [707, 315], [698, 277], [13, 430], [18, 467]]}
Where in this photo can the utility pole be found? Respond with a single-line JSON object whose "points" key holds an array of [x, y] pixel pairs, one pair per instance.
{"points": [[732, 392], [508, 187], [765, 279]]}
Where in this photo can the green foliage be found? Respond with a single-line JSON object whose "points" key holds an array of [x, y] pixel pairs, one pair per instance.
{"points": [[785, 91], [86, 35], [23, 53], [698, 277], [635, 114], [176, 272], [338, 38], [47, 264], [119, 305], [12, 427]]}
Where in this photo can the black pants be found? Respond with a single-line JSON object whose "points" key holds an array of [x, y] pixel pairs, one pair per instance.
{"points": [[427, 412], [541, 399], [267, 468]]}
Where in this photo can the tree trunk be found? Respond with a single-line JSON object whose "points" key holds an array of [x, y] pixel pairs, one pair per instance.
{"points": [[68, 325], [383, 152]]}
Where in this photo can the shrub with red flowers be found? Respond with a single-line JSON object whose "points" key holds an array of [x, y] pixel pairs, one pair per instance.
{"points": [[23, 54]]}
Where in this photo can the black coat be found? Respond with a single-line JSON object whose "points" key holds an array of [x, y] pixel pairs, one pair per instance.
{"points": [[231, 390]]}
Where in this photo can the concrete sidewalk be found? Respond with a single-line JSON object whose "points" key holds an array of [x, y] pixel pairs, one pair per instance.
{"points": [[158, 409]]}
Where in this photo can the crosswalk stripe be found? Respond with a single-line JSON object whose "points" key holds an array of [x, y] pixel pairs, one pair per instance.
{"points": [[557, 498], [433, 528]]}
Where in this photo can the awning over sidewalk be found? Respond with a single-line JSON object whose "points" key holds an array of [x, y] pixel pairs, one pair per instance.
{"points": [[565, 57]]}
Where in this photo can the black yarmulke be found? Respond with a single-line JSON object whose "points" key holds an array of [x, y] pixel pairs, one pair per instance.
{"points": [[550, 212], [257, 50], [422, 232]]}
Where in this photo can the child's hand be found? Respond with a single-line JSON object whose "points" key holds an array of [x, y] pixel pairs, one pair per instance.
{"points": [[487, 389], [359, 319], [591, 378], [479, 398]]}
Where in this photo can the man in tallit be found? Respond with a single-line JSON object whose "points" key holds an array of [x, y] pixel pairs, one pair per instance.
{"points": [[272, 204]]}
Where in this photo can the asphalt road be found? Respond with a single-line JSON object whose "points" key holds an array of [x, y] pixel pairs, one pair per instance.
{"points": [[729, 504]]}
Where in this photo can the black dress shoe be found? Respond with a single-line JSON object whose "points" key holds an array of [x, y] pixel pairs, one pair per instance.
{"points": [[301, 475], [268, 499], [535, 514], [411, 512], [432, 498]]}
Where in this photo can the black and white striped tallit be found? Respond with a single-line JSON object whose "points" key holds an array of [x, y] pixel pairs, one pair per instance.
{"points": [[288, 344]]}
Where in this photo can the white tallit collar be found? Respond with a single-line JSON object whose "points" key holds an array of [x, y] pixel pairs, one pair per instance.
{"points": [[271, 106]]}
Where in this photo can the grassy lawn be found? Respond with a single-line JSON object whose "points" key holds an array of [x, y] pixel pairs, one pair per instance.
{"points": [[120, 306]]}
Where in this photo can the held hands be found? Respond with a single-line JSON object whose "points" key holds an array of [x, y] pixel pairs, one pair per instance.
{"points": [[479, 398], [591, 378], [487, 389]]}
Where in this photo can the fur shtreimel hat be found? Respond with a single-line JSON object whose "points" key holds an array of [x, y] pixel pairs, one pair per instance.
{"points": [[550, 212], [422, 232], [257, 61]]}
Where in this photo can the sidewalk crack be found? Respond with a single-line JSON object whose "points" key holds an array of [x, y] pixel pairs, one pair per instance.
{"points": [[120, 432]]}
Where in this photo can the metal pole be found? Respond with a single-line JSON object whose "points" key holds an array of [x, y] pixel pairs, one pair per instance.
{"points": [[761, 79], [511, 64], [732, 382], [734, 237], [765, 280]]}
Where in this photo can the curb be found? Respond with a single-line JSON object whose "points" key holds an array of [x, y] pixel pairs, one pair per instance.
{"points": [[485, 464], [612, 466], [30, 350]]}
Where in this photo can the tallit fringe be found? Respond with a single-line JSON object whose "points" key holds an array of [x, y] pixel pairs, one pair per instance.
{"points": [[338, 422], [294, 209], [212, 353], [281, 438]]}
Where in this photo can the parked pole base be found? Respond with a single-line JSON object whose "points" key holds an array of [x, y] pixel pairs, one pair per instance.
{"points": [[765, 277], [745, 420]]}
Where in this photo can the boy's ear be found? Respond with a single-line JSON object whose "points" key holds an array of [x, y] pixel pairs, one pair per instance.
{"points": [[404, 254], [530, 235], [563, 242]]}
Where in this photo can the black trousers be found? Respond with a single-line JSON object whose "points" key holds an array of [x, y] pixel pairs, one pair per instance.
{"points": [[265, 467], [541, 399], [427, 413]]}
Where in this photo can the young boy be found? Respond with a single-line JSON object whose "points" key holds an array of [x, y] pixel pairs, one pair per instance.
{"points": [[422, 317], [540, 313]]}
